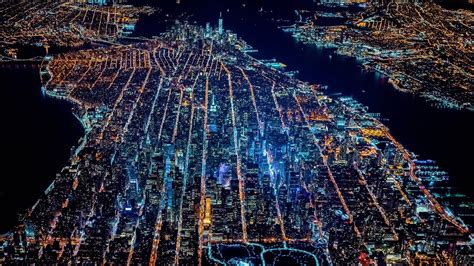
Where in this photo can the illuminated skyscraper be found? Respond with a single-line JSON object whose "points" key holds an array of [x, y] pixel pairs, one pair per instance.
{"points": [[208, 30], [221, 24]]}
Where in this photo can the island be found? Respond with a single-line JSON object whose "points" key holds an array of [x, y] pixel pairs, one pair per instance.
{"points": [[197, 153]]}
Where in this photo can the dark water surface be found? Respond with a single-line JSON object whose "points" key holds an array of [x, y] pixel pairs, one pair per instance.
{"points": [[37, 135]]}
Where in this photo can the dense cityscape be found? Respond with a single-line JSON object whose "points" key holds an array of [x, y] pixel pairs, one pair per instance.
{"points": [[424, 48], [63, 24], [197, 153]]}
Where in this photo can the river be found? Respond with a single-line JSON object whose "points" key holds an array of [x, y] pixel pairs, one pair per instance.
{"points": [[37, 134]]}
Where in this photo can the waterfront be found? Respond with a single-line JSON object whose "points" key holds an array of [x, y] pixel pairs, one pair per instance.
{"points": [[37, 143]]}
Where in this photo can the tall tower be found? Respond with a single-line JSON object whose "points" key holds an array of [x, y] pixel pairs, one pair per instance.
{"points": [[221, 24], [208, 30]]}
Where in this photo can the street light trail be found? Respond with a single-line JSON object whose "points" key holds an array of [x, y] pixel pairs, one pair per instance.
{"points": [[163, 73], [203, 175], [237, 155], [175, 129], [326, 165], [268, 156], [254, 102], [185, 181], [375, 201], [134, 235], [117, 101], [153, 106], [277, 106], [186, 173], [137, 100]]}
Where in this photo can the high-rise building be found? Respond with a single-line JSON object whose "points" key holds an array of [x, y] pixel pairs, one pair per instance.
{"points": [[208, 30], [221, 24]]}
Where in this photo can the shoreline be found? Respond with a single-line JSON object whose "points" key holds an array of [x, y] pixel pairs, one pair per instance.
{"points": [[398, 85], [69, 107], [75, 105]]}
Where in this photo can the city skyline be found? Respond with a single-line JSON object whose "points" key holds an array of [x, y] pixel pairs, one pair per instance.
{"points": [[196, 152]]}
